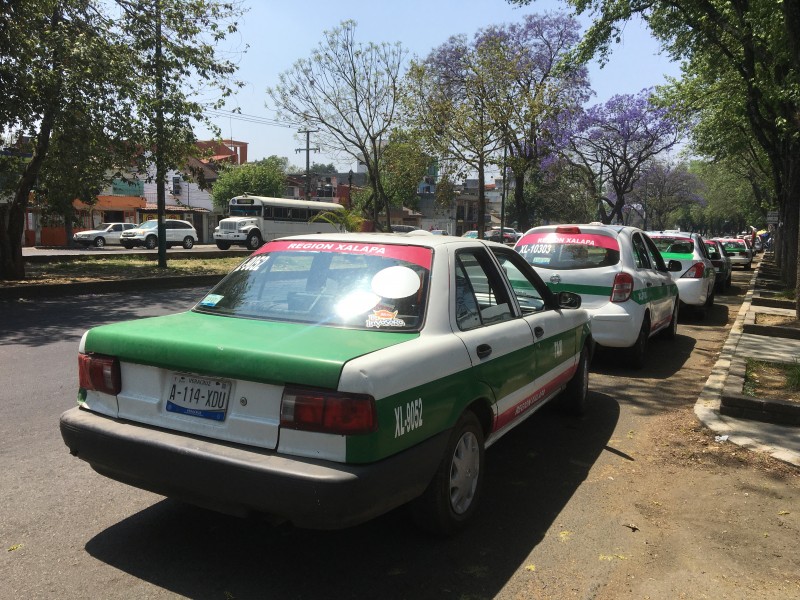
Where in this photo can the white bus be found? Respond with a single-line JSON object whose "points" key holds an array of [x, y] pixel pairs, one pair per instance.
{"points": [[254, 220]]}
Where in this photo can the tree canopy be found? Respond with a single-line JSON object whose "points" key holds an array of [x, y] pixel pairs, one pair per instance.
{"points": [[348, 93], [265, 177], [133, 68]]}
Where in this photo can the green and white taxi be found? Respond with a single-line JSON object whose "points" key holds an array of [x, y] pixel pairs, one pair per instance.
{"points": [[331, 378], [620, 275], [697, 276]]}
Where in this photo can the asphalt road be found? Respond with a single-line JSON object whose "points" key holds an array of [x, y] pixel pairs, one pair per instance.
{"points": [[553, 523]]}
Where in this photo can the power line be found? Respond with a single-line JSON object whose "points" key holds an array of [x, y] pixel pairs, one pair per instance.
{"points": [[249, 118]]}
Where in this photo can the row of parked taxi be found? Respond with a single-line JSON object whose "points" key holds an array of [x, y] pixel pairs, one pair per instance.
{"points": [[633, 282], [331, 378]]}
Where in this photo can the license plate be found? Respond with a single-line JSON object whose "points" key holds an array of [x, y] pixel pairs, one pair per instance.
{"points": [[198, 396]]}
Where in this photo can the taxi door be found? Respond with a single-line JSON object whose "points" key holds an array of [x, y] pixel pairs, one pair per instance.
{"points": [[657, 290], [488, 321]]}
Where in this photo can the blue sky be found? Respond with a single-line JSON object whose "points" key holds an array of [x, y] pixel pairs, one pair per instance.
{"points": [[279, 33]]}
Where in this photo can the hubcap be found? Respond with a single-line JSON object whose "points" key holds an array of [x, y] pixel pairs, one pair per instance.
{"points": [[464, 473]]}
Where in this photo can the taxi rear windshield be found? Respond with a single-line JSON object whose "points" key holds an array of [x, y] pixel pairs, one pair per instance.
{"points": [[734, 246], [673, 245], [569, 251], [359, 286]]}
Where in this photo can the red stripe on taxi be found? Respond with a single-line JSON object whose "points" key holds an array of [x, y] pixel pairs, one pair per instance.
{"points": [[525, 405], [411, 254]]}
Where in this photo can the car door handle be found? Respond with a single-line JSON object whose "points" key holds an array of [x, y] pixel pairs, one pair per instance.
{"points": [[538, 332], [484, 350]]}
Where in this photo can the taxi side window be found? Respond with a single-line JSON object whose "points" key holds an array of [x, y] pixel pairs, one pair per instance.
{"points": [[655, 255], [640, 252], [480, 297]]}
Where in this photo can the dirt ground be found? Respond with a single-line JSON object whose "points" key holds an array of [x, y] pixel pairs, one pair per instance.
{"points": [[777, 320], [713, 520]]}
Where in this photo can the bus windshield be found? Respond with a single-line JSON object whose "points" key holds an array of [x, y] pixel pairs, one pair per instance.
{"points": [[238, 210]]}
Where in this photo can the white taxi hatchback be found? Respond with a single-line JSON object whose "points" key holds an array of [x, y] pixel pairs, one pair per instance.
{"points": [[622, 279], [697, 276]]}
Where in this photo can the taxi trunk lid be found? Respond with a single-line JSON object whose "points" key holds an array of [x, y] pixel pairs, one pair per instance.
{"points": [[233, 370]]}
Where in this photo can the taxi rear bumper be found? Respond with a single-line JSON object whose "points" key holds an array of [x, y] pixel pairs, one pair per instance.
{"points": [[241, 480]]}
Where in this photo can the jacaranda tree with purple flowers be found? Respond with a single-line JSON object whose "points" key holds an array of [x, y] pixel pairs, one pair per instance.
{"points": [[505, 89], [540, 94], [447, 101], [614, 140]]}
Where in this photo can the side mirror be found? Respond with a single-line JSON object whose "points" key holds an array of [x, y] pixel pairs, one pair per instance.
{"points": [[568, 300], [674, 266]]}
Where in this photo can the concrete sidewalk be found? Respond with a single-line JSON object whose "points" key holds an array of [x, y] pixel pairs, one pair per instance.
{"points": [[776, 438]]}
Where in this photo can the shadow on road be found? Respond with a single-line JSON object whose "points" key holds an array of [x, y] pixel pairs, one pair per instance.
{"points": [[38, 322], [531, 475]]}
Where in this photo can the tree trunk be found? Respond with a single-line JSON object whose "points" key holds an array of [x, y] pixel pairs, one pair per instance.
{"points": [[482, 200], [12, 264], [524, 222]]}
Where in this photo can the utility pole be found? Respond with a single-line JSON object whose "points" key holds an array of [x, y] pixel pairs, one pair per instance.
{"points": [[308, 150]]}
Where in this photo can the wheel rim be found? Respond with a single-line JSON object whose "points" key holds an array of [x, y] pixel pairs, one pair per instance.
{"points": [[99, 242], [254, 242], [151, 243], [464, 472]]}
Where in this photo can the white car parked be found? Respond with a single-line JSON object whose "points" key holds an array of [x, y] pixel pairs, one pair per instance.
{"points": [[146, 234], [697, 276], [738, 252], [622, 279], [106, 233]]}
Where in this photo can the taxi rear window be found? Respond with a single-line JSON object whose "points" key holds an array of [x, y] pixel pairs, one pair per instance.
{"points": [[568, 251], [382, 287], [673, 245]]}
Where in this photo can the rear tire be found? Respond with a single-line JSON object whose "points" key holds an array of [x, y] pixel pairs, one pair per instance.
{"points": [[636, 353], [710, 299], [573, 399], [452, 496], [671, 332], [188, 242], [127, 246]]}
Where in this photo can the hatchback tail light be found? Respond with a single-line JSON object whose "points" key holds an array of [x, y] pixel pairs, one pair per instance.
{"points": [[328, 412], [695, 271], [99, 373], [623, 287]]}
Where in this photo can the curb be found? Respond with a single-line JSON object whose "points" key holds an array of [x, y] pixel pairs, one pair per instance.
{"points": [[707, 406]]}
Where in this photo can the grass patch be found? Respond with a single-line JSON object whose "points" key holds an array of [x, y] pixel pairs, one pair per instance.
{"points": [[787, 293], [129, 267], [772, 380]]}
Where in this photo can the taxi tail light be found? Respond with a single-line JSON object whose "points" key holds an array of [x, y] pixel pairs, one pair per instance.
{"points": [[695, 271], [623, 287], [328, 412], [568, 229], [99, 373]]}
